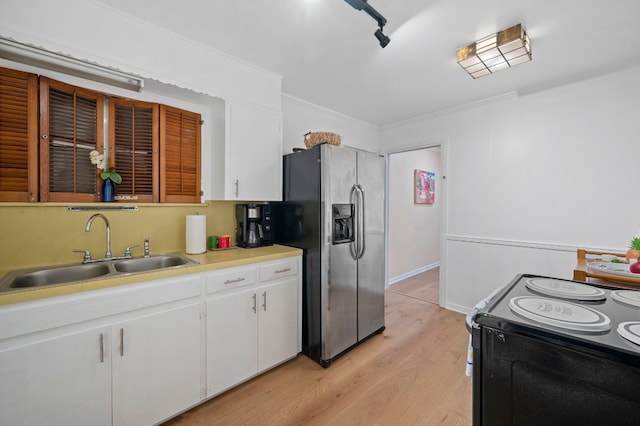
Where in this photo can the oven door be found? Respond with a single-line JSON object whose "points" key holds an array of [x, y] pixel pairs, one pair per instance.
{"points": [[521, 379]]}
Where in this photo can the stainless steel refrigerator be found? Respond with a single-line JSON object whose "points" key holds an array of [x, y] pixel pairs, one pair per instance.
{"points": [[333, 208]]}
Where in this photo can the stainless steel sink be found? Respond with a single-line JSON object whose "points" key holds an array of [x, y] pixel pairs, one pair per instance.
{"points": [[46, 276], [65, 274], [152, 263]]}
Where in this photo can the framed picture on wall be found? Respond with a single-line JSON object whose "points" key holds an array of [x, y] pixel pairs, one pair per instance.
{"points": [[424, 187]]}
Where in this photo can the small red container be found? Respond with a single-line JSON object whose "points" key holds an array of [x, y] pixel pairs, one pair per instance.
{"points": [[223, 241]]}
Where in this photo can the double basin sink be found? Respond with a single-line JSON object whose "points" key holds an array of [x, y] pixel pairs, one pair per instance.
{"points": [[46, 276]]}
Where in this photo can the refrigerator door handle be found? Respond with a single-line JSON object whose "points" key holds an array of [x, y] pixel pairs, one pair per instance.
{"points": [[353, 246], [360, 224]]}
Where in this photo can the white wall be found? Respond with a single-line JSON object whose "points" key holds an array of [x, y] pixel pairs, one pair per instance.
{"points": [[88, 30], [414, 229], [301, 117], [532, 177]]}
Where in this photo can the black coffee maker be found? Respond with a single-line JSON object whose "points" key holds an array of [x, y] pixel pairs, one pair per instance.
{"points": [[253, 225]]}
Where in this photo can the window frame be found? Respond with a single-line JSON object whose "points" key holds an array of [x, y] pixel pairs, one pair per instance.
{"points": [[114, 102], [29, 192], [46, 195], [183, 195]]}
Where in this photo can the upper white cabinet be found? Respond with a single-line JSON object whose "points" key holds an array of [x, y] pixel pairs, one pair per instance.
{"points": [[252, 151]]}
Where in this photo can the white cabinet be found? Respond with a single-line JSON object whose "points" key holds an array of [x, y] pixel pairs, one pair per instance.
{"points": [[130, 355], [277, 322], [232, 340], [252, 152], [156, 365], [252, 321], [139, 354], [61, 379]]}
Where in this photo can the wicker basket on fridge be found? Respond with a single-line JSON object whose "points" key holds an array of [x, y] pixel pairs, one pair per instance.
{"points": [[314, 138]]}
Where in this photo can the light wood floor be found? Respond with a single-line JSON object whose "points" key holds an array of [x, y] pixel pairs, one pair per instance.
{"points": [[411, 374], [423, 286]]}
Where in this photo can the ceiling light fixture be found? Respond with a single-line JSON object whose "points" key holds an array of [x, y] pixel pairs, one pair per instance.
{"points": [[363, 5], [35, 56], [495, 52]]}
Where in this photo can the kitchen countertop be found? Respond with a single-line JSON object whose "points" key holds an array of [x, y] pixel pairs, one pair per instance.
{"points": [[582, 272], [209, 261]]}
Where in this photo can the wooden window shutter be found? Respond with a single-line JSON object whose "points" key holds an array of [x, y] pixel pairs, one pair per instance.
{"points": [[133, 148], [18, 136], [71, 122], [179, 156]]}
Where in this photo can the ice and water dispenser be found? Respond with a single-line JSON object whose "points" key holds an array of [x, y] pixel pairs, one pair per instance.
{"points": [[343, 231]]}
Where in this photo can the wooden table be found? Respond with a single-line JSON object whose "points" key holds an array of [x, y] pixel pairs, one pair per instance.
{"points": [[581, 273]]}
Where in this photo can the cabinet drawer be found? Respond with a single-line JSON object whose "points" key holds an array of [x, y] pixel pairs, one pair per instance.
{"points": [[231, 278], [278, 269]]}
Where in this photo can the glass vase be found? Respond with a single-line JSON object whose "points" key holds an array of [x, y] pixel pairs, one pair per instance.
{"points": [[108, 191]]}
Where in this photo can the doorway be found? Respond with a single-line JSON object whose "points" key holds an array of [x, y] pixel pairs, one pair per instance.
{"points": [[414, 227]]}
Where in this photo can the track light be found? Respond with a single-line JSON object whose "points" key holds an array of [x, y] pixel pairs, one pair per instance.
{"points": [[383, 39], [363, 5]]}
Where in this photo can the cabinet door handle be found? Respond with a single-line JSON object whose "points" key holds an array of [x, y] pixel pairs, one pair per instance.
{"points": [[280, 271], [237, 187], [254, 303], [264, 300], [122, 342], [101, 348], [235, 280]]}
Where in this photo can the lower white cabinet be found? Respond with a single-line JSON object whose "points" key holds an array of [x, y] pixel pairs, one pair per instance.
{"points": [[252, 321], [139, 354], [62, 379], [277, 325], [232, 340], [124, 356], [156, 365]]}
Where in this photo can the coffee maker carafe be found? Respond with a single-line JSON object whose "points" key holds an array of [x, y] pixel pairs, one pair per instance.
{"points": [[253, 225]]}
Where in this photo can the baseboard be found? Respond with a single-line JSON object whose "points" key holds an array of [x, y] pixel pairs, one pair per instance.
{"points": [[457, 308], [410, 274]]}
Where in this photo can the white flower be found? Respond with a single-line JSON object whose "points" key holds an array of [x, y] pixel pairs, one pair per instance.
{"points": [[97, 159]]}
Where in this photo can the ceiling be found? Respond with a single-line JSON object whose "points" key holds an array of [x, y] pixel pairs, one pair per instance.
{"points": [[327, 54]]}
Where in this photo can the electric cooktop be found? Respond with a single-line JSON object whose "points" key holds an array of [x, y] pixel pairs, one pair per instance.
{"points": [[570, 311]]}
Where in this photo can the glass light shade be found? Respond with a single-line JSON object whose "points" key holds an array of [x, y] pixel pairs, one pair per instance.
{"points": [[495, 52]]}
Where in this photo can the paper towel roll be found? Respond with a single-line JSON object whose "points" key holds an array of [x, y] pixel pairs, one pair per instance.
{"points": [[196, 234]]}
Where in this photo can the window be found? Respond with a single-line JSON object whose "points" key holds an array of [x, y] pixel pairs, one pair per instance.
{"points": [[18, 136], [155, 148], [71, 127], [133, 148], [180, 155]]}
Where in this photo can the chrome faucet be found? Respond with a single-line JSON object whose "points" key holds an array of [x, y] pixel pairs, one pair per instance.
{"points": [[106, 222]]}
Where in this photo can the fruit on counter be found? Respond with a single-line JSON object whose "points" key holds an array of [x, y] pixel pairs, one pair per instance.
{"points": [[635, 268]]}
